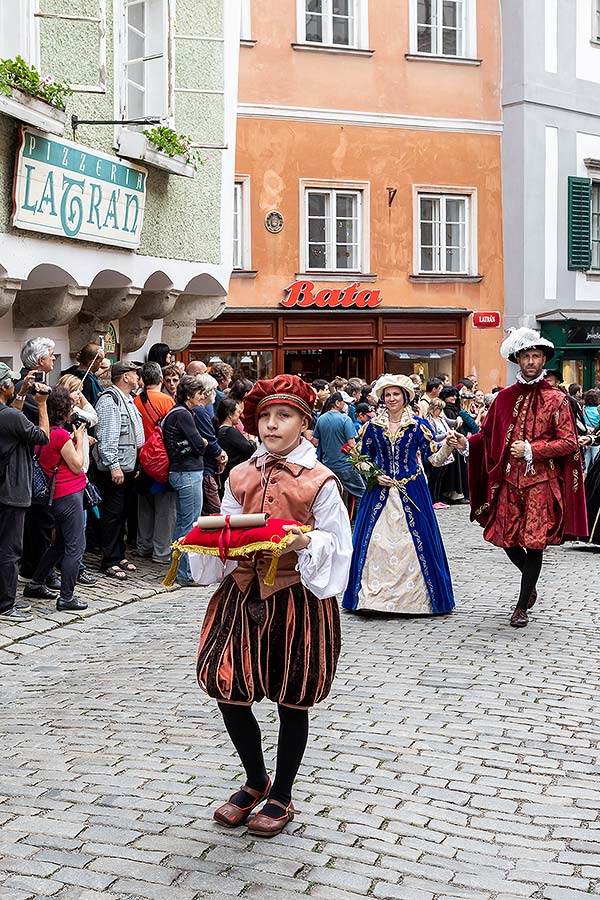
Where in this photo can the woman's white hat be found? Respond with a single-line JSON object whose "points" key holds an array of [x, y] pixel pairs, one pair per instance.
{"points": [[401, 381], [520, 339]]}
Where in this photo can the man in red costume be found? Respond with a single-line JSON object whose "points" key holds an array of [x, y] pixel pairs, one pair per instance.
{"points": [[525, 471]]}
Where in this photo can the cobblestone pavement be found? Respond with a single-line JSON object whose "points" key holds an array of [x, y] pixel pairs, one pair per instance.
{"points": [[456, 758]]}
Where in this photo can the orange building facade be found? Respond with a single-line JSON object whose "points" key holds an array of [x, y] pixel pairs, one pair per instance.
{"points": [[368, 224]]}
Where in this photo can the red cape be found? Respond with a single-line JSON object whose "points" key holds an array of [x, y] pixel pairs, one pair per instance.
{"points": [[488, 451]]}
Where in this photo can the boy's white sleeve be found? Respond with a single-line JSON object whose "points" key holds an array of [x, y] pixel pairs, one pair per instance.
{"points": [[324, 566], [210, 569]]}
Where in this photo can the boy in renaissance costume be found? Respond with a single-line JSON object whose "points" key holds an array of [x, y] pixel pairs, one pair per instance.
{"points": [[525, 472], [279, 641]]}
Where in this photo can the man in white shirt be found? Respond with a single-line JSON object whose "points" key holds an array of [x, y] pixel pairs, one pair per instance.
{"points": [[432, 390]]}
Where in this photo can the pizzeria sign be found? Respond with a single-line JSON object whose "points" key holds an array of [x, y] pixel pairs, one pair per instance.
{"points": [[73, 191]]}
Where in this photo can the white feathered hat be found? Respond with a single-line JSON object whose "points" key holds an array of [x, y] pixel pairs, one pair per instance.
{"points": [[401, 381], [520, 339]]}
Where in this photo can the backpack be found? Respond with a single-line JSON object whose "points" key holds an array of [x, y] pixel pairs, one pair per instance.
{"points": [[154, 459]]}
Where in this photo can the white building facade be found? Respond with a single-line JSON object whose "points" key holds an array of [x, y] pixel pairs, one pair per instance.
{"points": [[99, 232], [551, 175]]}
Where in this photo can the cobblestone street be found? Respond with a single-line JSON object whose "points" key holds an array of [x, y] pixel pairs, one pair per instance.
{"points": [[455, 758]]}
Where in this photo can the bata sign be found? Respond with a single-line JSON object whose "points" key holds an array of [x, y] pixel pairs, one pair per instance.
{"points": [[486, 320], [302, 293], [72, 191]]}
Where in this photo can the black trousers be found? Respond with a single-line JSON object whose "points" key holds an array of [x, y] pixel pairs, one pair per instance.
{"points": [[435, 479], [68, 547], [114, 510], [12, 521], [37, 536]]}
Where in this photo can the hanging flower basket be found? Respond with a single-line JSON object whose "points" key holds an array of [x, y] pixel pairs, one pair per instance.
{"points": [[26, 96], [135, 145]]}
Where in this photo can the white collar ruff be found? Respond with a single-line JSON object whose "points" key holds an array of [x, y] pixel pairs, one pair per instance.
{"points": [[304, 454], [523, 380]]}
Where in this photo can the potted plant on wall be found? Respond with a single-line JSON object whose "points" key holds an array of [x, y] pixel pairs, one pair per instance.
{"points": [[162, 148], [27, 96]]}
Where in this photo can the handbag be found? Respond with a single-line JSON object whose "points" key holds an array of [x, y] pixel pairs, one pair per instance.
{"points": [[42, 486]]}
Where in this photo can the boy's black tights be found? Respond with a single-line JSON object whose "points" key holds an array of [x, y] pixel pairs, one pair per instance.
{"points": [[244, 731], [529, 563]]}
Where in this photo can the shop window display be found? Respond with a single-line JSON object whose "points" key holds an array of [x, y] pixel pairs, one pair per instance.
{"points": [[252, 364], [426, 363]]}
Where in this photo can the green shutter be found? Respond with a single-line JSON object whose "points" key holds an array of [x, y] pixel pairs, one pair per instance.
{"points": [[580, 204]]}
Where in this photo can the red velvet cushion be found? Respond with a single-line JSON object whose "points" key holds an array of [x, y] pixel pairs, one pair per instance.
{"points": [[243, 541]]}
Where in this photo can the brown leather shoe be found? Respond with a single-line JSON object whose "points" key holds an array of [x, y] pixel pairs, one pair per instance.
{"points": [[230, 815], [532, 599], [519, 618], [268, 826]]}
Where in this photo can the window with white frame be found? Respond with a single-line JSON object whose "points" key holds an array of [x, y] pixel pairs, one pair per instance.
{"points": [[338, 23], [145, 62], [18, 31], [334, 229], [595, 225], [246, 21], [444, 27], [241, 223], [444, 234]]}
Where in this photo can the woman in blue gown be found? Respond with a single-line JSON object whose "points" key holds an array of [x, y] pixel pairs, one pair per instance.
{"points": [[399, 564]]}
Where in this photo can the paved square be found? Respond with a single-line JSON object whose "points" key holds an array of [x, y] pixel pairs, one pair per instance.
{"points": [[456, 757]]}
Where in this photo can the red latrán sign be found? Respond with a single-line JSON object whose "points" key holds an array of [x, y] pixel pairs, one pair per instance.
{"points": [[302, 293], [486, 319]]}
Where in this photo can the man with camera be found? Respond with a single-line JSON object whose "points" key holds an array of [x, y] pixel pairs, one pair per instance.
{"points": [[119, 436], [18, 437], [37, 357]]}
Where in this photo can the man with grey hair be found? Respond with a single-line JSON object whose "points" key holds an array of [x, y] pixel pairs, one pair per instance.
{"points": [[37, 355], [215, 458]]}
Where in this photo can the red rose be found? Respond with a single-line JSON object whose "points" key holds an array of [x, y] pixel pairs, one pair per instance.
{"points": [[346, 448]]}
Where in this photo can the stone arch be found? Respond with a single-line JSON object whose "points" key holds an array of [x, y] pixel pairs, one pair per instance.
{"points": [[49, 296], [202, 301], [8, 291], [110, 297], [156, 300]]}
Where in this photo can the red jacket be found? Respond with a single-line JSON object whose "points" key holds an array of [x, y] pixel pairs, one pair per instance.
{"points": [[542, 415]]}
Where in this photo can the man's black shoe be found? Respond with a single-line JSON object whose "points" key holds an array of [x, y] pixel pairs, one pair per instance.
{"points": [[38, 592], [73, 604], [53, 581], [86, 578]]}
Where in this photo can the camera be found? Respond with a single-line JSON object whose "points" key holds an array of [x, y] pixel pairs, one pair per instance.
{"points": [[78, 419], [39, 376]]}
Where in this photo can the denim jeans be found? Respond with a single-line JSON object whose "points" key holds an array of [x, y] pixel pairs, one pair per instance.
{"points": [[188, 492], [354, 484]]}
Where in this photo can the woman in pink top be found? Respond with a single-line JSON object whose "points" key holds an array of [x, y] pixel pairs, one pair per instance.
{"points": [[62, 460]]}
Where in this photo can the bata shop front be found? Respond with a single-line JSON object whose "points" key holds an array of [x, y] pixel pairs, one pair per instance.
{"points": [[316, 336]]}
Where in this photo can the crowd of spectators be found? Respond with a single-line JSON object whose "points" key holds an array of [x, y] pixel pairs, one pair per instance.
{"points": [[85, 435]]}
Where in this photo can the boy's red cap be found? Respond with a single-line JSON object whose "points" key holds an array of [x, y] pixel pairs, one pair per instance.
{"points": [[288, 389]]}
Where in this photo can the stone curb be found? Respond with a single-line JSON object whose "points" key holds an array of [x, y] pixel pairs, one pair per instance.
{"points": [[23, 638]]}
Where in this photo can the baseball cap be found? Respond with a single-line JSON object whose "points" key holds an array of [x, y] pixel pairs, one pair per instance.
{"points": [[121, 368], [6, 373], [346, 397]]}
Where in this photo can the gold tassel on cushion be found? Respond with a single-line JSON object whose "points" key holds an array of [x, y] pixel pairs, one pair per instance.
{"points": [[233, 552], [169, 579]]}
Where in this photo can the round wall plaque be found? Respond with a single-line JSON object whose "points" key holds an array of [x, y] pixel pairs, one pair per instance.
{"points": [[274, 221]]}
